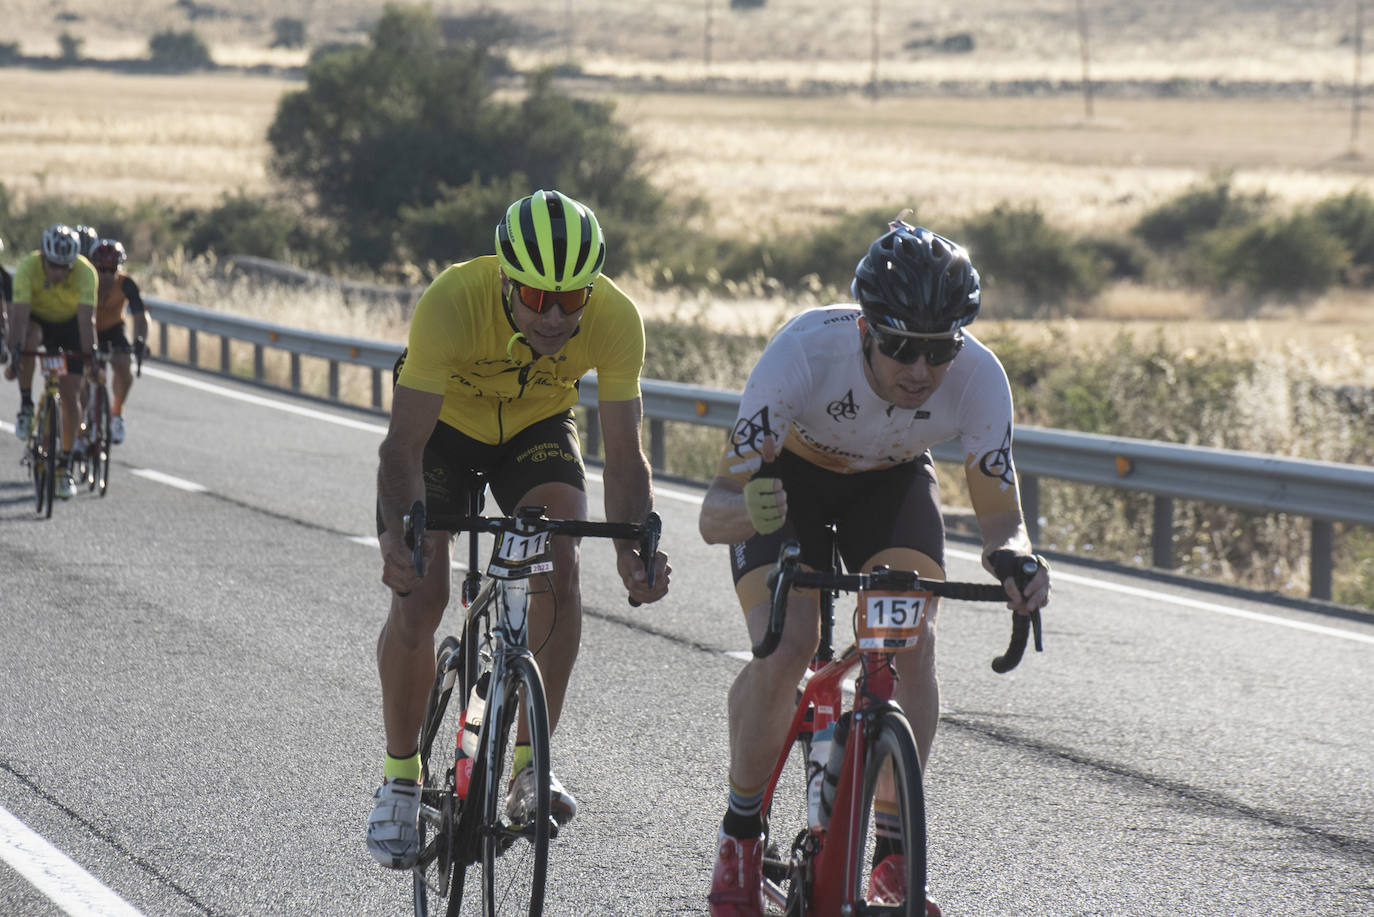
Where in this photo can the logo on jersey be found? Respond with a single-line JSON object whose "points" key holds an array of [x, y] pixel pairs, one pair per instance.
{"points": [[749, 432], [996, 463], [843, 408]]}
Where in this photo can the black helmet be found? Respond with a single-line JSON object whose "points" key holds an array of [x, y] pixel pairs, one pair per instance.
{"points": [[89, 238], [916, 281]]}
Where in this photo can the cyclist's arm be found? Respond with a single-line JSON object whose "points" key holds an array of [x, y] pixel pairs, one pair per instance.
{"points": [[400, 477], [628, 484], [85, 323], [1003, 527], [140, 314]]}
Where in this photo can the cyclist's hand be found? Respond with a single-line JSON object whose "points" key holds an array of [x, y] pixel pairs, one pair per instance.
{"points": [[398, 567], [767, 504], [140, 348], [631, 570], [1007, 566]]}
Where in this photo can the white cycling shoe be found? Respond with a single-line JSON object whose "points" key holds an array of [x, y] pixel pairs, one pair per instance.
{"points": [[393, 833], [116, 430], [520, 800]]}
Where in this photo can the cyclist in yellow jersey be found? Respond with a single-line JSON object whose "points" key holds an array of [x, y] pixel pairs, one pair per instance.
{"points": [[487, 383], [116, 291], [54, 303]]}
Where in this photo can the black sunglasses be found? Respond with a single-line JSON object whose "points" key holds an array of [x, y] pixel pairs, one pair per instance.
{"points": [[907, 350]]}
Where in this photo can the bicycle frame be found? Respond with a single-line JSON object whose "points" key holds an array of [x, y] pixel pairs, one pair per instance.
{"points": [[831, 854]]}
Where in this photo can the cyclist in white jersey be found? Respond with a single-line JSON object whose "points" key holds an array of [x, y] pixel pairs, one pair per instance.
{"points": [[834, 427]]}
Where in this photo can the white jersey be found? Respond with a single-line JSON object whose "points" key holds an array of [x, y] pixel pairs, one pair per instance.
{"points": [[810, 392]]}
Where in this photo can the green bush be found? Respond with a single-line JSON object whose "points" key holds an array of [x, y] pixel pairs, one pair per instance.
{"points": [[1284, 257], [173, 50], [1350, 218], [1020, 257], [1176, 223], [70, 45], [241, 224], [288, 32]]}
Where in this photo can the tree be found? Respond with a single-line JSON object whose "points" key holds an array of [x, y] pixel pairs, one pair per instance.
{"points": [[387, 132], [179, 51]]}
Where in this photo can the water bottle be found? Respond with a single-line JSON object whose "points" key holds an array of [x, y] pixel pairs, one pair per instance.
{"points": [[830, 777], [472, 718], [462, 771], [821, 743]]}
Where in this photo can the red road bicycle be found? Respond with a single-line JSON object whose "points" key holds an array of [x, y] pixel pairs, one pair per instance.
{"points": [[826, 870]]}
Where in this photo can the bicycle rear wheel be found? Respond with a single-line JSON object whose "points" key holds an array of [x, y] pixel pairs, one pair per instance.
{"points": [[894, 751], [45, 458], [98, 449], [515, 854], [438, 876]]}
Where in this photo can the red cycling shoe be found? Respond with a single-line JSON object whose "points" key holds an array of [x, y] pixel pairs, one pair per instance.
{"points": [[887, 884], [736, 883]]}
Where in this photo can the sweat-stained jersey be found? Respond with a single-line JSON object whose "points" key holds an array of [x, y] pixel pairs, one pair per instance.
{"points": [[809, 391]]}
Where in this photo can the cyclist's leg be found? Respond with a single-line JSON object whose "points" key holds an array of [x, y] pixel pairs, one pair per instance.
{"points": [[542, 466], [114, 342]]}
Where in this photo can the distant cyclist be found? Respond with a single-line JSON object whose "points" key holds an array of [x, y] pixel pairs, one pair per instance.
{"points": [[6, 294], [116, 290], [835, 427], [54, 302], [89, 238], [488, 381]]}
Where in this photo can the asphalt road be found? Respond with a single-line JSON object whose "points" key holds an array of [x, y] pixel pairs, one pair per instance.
{"points": [[191, 712]]}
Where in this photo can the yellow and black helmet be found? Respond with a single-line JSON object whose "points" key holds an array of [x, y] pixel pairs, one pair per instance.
{"points": [[551, 242]]}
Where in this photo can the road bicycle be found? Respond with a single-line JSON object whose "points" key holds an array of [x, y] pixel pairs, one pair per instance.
{"points": [[91, 463], [825, 869], [43, 451], [463, 818]]}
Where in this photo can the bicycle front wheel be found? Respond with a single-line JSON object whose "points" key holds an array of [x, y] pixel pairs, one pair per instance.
{"points": [[892, 784], [515, 841], [45, 465], [439, 873]]}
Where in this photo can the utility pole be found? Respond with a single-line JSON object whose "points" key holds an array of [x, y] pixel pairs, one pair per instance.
{"points": [[706, 44], [1083, 52], [873, 71], [1359, 77]]}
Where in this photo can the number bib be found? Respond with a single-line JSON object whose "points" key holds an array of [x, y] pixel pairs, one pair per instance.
{"points": [[889, 622], [53, 363], [517, 556]]}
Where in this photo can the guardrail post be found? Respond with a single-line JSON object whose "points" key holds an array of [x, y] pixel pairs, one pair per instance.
{"points": [[1162, 539], [295, 372], [657, 448], [259, 367], [593, 431], [1322, 538], [1030, 504], [334, 380], [192, 350], [162, 339], [224, 354], [376, 388]]}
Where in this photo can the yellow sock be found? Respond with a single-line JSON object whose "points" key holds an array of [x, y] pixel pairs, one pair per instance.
{"points": [[522, 757], [403, 768]]}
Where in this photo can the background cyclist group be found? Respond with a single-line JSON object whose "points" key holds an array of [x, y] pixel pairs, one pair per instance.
{"points": [[70, 294], [834, 428]]}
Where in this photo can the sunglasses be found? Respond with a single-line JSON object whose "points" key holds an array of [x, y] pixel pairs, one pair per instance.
{"points": [[570, 301], [907, 350], [107, 270]]}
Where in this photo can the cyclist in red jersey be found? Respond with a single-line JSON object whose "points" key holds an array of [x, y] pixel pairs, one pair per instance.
{"points": [[835, 427]]}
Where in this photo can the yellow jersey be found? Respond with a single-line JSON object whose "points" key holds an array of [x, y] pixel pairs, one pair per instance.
{"points": [[54, 302], [463, 346]]}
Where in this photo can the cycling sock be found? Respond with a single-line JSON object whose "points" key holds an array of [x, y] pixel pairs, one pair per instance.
{"points": [[744, 818], [521, 758], [405, 768], [25, 398]]}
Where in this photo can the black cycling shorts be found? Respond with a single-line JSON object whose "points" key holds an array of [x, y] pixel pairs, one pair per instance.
{"points": [[897, 507], [112, 338], [545, 451], [65, 335]]}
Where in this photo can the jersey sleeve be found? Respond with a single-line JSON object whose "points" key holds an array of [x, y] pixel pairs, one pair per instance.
{"points": [[87, 282], [620, 359], [436, 338], [132, 294], [985, 435], [778, 388]]}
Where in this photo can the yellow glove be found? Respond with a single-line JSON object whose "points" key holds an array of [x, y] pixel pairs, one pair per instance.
{"points": [[761, 499]]}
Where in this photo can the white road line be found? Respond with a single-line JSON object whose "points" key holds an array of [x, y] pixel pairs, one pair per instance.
{"points": [[57, 875], [170, 480], [263, 401], [1198, 604]]}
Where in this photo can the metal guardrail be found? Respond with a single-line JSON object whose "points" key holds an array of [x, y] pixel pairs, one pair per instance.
{"points": [[1325, 492]]}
